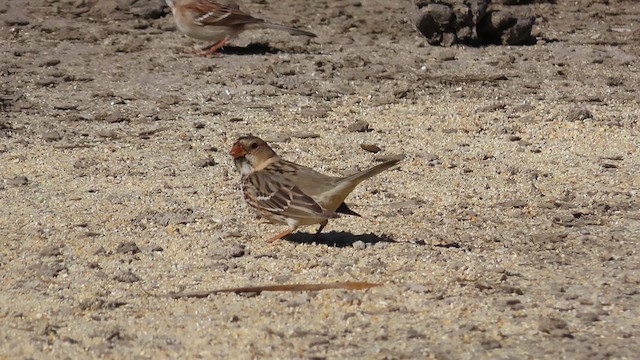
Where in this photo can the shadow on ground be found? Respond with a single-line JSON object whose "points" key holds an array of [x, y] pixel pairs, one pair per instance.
{"points": [[251, 49], [337, 238]]}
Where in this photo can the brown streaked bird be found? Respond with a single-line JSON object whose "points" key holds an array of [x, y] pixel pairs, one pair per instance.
{"points": [[211, 21], [287, 193]]}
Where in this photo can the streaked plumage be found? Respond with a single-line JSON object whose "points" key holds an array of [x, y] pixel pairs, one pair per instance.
{"points": [[217, 23], [287, 193]]}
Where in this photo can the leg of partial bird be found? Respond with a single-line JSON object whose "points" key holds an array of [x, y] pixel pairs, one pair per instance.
{"points": [[322, 225], [281, 235], [213, 48]]}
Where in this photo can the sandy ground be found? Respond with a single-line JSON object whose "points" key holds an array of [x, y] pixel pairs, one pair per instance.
{"points": [[510, 230]]}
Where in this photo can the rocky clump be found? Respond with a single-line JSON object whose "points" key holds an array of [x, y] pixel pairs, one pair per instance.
{"points": [[447, 22]]}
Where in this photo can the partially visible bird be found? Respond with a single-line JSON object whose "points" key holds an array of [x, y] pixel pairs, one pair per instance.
{"points": [[287, 193], [218, 23]]}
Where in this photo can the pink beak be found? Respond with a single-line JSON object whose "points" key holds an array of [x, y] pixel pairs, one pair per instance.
{"points": [[237, 151]]}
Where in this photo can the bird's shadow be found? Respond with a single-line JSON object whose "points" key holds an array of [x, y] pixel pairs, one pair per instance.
{"points": [[251, 49], [337, 238]]}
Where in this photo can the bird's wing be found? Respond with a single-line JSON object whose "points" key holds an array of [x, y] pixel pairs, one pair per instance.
{"points": [[275, 193]]}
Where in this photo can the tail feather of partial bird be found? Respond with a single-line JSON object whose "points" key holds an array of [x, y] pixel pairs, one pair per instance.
{"points": [[363, 175], [290, 30]]}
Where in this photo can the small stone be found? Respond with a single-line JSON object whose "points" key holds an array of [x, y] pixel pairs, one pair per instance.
{"points": [[370, 148], [578, 115], [106, 133], [114, 117], [359, 126], [48, 269], [51, 250], [554, 327], [52, 136], [383, 100], [418, 288], [128, 247], [304, 135], [275, 138], [491, 108], [66, 106], [17, 181], [359, 245], [206, 162], [317, 113], [588, 316], [390, 157], [169, 100], [47, 81], [50, 62], [15, 20], [513, 203], [126, 277]]}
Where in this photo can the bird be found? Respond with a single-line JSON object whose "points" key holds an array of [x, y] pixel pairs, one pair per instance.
{"points": [[219, 23], [284, 192]]}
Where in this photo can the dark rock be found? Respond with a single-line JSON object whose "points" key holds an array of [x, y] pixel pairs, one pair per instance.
{"points": [[447, 22], [370, 148], [503, 27]]}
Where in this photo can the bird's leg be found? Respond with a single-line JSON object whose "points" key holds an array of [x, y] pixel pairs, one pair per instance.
{"points": [[281, 235], [213, 48], [322, 225]]}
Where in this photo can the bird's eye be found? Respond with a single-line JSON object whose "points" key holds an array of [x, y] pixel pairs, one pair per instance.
{"points": [[254, 145]]}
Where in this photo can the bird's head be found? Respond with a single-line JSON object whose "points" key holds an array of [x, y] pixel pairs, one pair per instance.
{"points": [[250, 152]]}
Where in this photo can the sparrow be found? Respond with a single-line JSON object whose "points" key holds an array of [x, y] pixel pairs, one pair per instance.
{"points": [[287, 193], [211, 21]]}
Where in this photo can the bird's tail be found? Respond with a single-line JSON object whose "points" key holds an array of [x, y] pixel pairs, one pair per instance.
{"points": [[363, 175], [290, 30]]}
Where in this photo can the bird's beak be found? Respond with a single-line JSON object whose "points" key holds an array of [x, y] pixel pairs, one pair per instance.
{"points": [[237, 151]]}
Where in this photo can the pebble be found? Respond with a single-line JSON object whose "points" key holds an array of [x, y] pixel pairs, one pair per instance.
{"points": [[51, 250], [513, 203], [113, 117], [275, 138], [578, 115], [52, 135], [106, 133], [49, 62], [389, 157], [359, 126], [317, 113], [304, 135], [359, 245], [370, 148], [126, 276], [554, 326], [17, 181], [127, 247], [47, 81], [418, 288], [207, 162], [66, 106]]}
